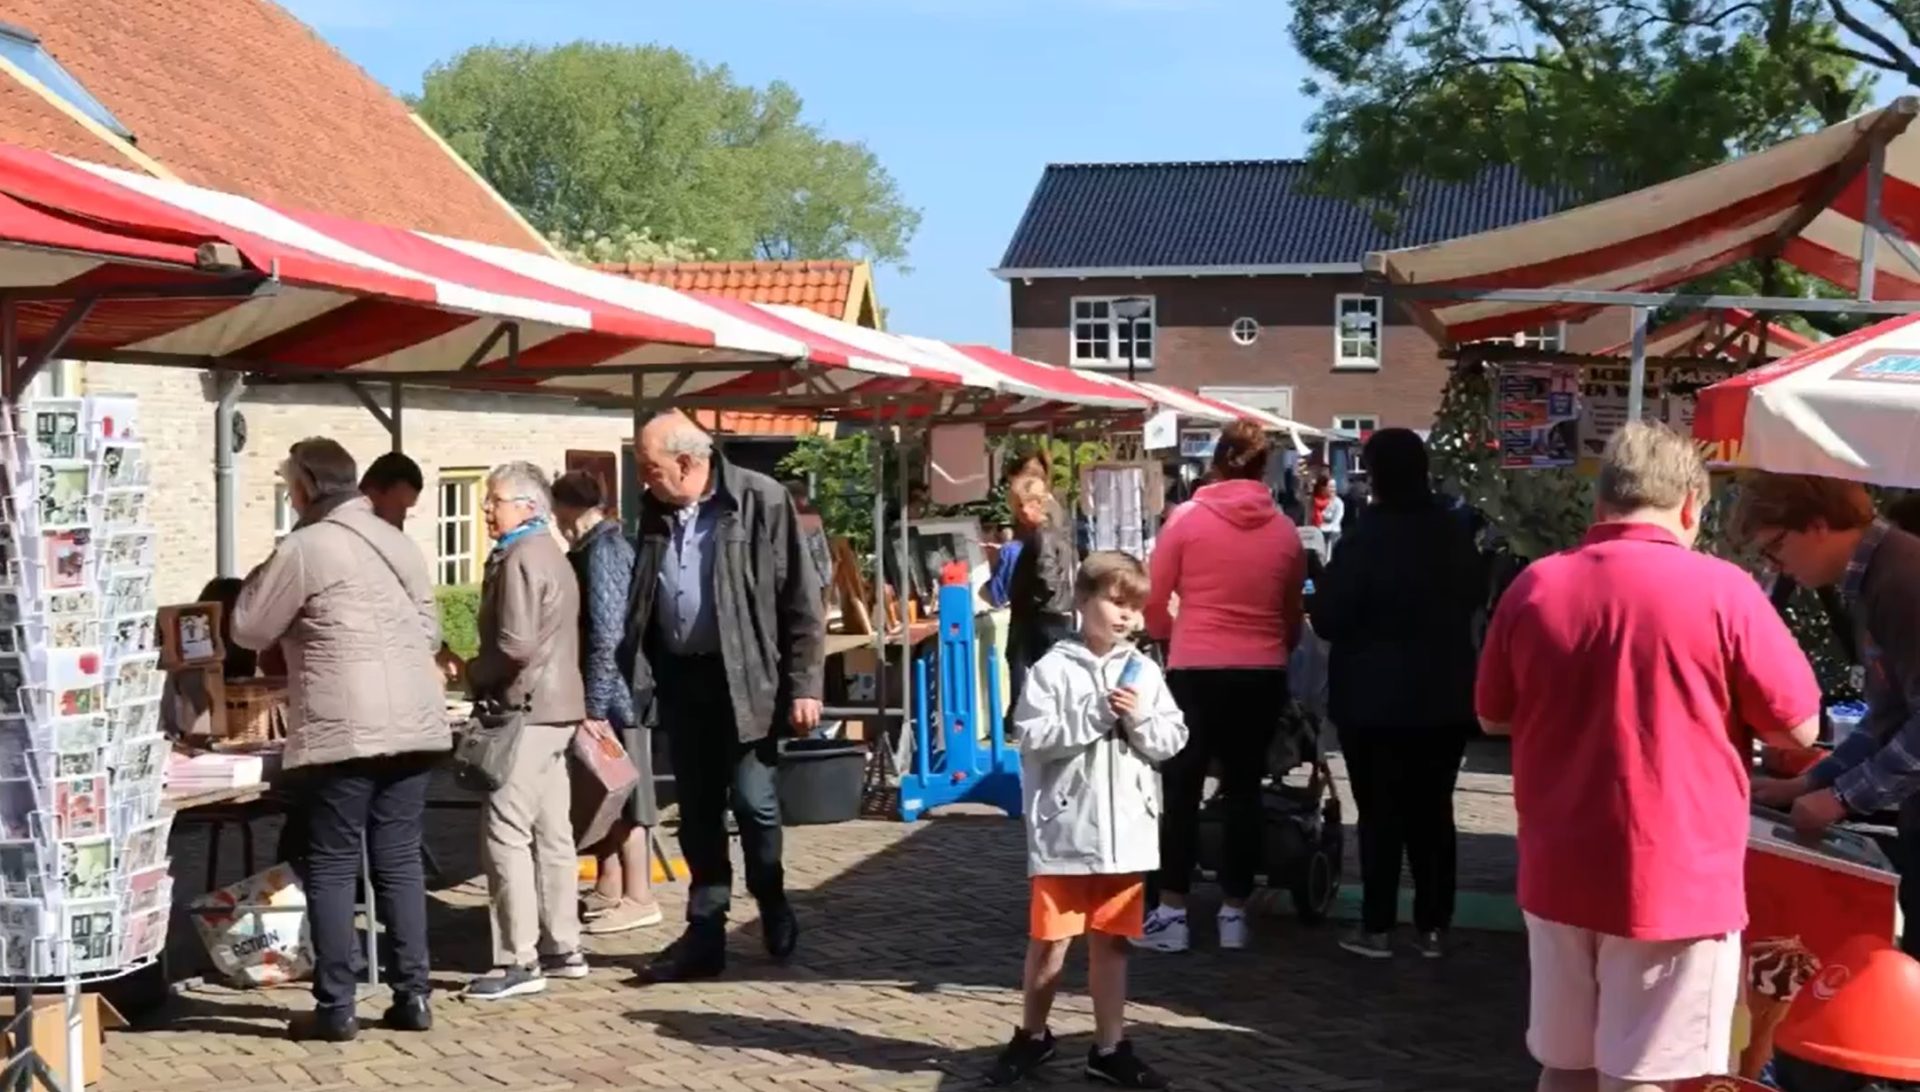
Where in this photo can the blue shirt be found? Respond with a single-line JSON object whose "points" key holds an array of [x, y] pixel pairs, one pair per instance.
{"points": [[1000, 588], [1878, 766], [685, 610]]}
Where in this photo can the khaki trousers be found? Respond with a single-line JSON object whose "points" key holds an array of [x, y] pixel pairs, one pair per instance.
{"points": [[533, 878]]}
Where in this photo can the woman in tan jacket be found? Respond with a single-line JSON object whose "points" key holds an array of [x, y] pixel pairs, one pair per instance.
{"points": [[346, 598]]}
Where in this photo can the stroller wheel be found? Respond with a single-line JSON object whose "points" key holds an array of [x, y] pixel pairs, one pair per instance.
{"points": [[1314, 888]]}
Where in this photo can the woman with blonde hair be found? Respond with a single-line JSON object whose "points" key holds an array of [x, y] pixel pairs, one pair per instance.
{"points": [[1040, 589]]}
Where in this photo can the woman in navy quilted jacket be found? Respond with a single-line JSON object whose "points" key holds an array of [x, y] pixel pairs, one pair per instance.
{"points": [[622, 898]]}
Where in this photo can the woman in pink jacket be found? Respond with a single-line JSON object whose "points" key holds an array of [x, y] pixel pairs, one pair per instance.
{"points": [[1237, 567]]}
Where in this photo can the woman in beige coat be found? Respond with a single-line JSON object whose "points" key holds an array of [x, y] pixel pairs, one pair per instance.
{"points": [[347, 599]]}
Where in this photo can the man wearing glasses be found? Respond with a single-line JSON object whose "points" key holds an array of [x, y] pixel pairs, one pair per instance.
{"points": [[1824, 532], [529, 657]]}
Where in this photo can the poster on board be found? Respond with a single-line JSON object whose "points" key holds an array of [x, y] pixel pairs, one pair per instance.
{"points": [[1537, 407]]}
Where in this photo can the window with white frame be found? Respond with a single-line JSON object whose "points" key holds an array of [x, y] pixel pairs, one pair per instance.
{"points": [[283, 518], [1360, 424], [457, 526], [1245, 331], [1102, 339], [1356, 331]]}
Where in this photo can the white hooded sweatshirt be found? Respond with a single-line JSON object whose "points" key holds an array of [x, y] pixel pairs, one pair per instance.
{"points": [[1091, 790]]}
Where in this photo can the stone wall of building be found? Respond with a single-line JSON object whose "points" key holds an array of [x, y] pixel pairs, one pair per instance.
{"points": [[445, 432]]}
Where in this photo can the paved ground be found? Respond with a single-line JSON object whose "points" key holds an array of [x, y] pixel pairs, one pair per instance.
{"points": [[907, 979]]}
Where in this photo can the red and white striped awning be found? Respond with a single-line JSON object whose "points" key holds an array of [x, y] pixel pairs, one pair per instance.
{"points": [[1702, 332], [318, 294], [1844, 408], [1781, 200]]}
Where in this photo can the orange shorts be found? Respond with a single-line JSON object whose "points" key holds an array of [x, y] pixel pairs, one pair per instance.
{"points": [[1067, 906]]}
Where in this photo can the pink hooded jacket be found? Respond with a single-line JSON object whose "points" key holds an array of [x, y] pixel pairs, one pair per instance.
{"points": [[1238, 568]]}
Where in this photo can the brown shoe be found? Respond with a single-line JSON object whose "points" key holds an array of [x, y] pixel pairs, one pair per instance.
{"points": [[627, 916], [593, 904]]}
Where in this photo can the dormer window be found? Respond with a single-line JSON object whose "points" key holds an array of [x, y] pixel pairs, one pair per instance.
{"points": [[23, 49]]}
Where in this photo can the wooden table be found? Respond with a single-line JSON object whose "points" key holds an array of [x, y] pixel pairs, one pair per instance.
{"points": [[839, 644]]}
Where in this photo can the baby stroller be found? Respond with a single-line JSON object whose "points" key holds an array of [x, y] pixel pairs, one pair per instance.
{"points": [[1303, 842]]}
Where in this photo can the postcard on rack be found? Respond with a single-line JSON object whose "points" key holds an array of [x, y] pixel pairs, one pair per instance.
{"points": [[17, 750], [145, 846], [146, 936], [10, 619], [123, 463], [90, 929], [136, 680], [132, 721], [24, 932], [150, 889], [126, 508], [55, 431], [13, 681], [80, 806], [129, 551], [113, 416], [76, 681], [21, 876], [62, 496], [130, 593], [65, 559], [20, 808], [86, 868], [142, 762], [130, 635]]}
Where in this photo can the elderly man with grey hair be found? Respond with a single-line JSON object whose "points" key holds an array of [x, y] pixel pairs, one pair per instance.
{"points": [[529, 658], [347, 598], [724, 646]]}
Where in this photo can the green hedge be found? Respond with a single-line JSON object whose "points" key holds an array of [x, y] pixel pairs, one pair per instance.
{"points": [[460, 618]]}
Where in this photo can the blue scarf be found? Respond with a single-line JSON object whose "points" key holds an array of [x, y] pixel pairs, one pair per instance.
{"points": [[532, 526]]}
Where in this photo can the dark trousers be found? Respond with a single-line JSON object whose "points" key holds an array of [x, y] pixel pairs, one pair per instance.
{"points": [[1028, 639], [1232, 714], [712, 771], [381, 802], [1403, 783]]}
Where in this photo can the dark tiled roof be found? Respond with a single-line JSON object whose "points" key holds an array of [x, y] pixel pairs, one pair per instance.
{"points": [[1133, 215]]}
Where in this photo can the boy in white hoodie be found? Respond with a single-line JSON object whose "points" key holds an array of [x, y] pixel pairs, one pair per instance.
{"points": [[1094, 719]]}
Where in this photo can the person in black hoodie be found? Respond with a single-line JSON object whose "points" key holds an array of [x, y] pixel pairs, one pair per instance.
{"points": [[1396, 604]]}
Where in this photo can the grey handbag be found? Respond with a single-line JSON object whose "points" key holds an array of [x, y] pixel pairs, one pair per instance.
{"points": [[483, 755]]}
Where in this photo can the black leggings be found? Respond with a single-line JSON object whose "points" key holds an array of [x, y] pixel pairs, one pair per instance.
{"points": [[1232, 714], [1403, 783]]}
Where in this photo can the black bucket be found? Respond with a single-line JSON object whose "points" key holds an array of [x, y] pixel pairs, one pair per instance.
{"points": [[821, 780]]}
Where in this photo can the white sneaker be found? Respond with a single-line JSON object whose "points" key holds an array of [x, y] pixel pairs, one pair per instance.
{"points": [[1233, 928], [1165, 931]]}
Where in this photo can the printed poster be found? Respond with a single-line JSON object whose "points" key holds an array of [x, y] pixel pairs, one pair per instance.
{"points": [[1537, 407], [1603, 403]]}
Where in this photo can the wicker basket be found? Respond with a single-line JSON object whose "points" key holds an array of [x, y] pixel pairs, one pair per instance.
{"points": [[256, 713]]}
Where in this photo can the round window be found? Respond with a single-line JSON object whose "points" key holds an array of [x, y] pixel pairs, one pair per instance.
{"points": [[1245, 331]]}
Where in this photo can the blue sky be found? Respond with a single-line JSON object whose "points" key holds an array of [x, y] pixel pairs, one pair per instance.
{"points": [[964, 101]]}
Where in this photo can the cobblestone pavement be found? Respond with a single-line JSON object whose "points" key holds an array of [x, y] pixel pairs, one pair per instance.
{"points": [[907, 978]]}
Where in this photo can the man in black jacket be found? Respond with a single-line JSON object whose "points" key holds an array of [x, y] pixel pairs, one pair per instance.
{"points": [[724, 643]]}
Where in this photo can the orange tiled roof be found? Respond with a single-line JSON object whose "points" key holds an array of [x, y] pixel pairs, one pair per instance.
{"points": [[239, 95], [832, 288]]}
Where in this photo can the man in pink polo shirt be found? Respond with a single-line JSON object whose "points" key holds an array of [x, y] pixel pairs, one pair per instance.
{"points": [[1626, 669]]}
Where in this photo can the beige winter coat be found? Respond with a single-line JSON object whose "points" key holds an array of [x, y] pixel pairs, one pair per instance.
{"points": [[347, 597], [530, 632]]}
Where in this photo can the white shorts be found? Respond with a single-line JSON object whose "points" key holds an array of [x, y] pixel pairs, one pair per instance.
{"points": [[1636, 1010]]}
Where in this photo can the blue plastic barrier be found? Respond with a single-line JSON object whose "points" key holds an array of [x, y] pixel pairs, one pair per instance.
{"points": [[963, 771]]}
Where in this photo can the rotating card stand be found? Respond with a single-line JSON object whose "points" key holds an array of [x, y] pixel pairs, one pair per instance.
{"points": [[85, 891]]}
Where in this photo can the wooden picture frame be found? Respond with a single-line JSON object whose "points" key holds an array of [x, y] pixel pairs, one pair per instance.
{"points": [[936, 542], [190, 636]]}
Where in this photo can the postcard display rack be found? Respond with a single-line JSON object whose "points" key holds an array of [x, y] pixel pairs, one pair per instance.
{"points": [[85, 891]]}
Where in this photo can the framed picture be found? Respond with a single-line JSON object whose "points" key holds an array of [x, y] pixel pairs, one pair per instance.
{"points": [[190, 636], [937, 543]]}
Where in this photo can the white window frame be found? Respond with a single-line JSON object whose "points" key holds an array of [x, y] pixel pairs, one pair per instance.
{"points": [[1340, 426], [1277, 400], [1244, 331], [460, 565], [1114, 360], [1358, 363], [283, 518]]}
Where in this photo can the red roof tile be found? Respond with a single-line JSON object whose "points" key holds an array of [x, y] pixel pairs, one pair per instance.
{"points": [[824, 286], [239, 95]]}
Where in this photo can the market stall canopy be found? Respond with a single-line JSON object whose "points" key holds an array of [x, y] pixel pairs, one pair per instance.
{"points": [[1732, 333], [1803, 200], [103, 264], [1844, 408]]}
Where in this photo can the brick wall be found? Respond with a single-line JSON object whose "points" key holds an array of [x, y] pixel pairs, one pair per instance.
{"points": [[1295, 347], [441, 429]]}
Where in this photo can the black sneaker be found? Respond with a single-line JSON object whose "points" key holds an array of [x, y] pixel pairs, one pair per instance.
{"points": [[324, 1026], [697, 954], [410, 1012], [1022, 1055], [1122, 1068]]}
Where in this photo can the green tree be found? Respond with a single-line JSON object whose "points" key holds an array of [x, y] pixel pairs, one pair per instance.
{"points": [[592, 137], [626, 244], [1596, 96]]}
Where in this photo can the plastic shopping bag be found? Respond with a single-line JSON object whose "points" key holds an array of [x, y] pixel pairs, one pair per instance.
{"points": [[256, 930]]}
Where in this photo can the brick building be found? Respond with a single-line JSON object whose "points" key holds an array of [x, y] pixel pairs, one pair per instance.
{"points": [[239, 95], [1252, 284]]}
